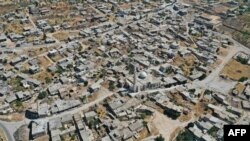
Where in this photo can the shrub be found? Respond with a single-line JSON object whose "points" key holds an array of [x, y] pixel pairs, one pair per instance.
{"points": [[159, 138], [242, 79], [42, 95], [185, 136], [172, 114]]}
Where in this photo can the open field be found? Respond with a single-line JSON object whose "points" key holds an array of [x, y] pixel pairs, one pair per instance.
{"points": [[64, 35], [240, 87], [235, 70], [186, 63], [239, 28]]}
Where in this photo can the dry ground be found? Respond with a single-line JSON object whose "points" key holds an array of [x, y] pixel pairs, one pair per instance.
{"points": [[2, 136], [240, 87], [235, 70], [45, 63], [64, 35], [12, 117], [42, 138], [186, 63]]}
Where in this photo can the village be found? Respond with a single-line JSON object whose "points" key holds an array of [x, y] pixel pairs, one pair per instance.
{"points": [[111, 70]]}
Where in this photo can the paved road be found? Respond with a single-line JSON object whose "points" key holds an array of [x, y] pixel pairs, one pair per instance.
{"points": [[214, 78], [7, 133], [10, 128]]}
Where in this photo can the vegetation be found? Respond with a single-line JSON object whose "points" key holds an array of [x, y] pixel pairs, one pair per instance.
{"points": [[48, 80], [203, 77], [84, 99], [159, 138], [42, 95], [185, 136], [208, 92], [19, 103], [213, 131], [59, 70], [3, 61], [191, 124], [93, 122], [242, 79], [86, 83], [243, 61], [169, 71], [16, 84], [172, 113], [111, 85]]}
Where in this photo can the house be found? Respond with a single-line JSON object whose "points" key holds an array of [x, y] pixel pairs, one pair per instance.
{"points": [[34, 69], [246, 105], [52, 53], [85, 135], [247, 91], [7, 75], [89, 116], [38, 129], [3, 38], [126, 134], [10, 98], [33, 82], [63, 105], [43, 110], [23, 96], [136, 127], [180, 78], [16, 61], [95, 86], [49, 41], [4, 91], [67, 119], [55, 124], [168, 81], [5, 108], [54, 89]]}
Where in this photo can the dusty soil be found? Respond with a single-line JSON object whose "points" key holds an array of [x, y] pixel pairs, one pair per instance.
{"points": [[235, 73], [2, 136], [12, 117]]}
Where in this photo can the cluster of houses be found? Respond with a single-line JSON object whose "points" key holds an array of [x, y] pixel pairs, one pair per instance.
{"points": [[134, 51], [121, 121]]}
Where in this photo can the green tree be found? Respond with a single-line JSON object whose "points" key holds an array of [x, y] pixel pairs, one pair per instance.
{"points": [[47, 80], [19, 103], [159, 138], [242, 79], [86, 83], [172, 113], [42, 95], [185, 136], [111, 85]]}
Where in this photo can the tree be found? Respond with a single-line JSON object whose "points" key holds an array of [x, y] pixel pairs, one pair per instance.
{"points": [[185, 136], [242, 60], [242, 79], [191, 124], [42, 95], [159, 138], [19, 103], [172, 113], [47, 80], [86, 83], [111, 85]]}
